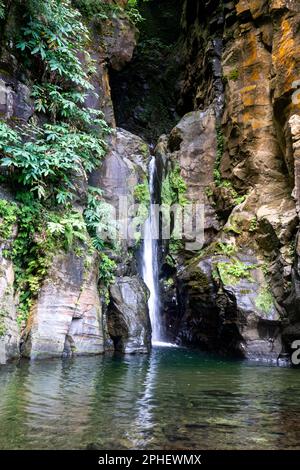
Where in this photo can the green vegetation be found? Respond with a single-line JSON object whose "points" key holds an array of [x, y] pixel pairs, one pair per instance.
{"points": [[43, 162], [2, 10], [225, 248], [175, 246], [264, 301], [233, 74], [99, 221], [174, 188], [173, 192], [142, 194], [253, 225], [8, 218], [234, 270], [106, 270], [45, 165], [2, 324], [101, 10]]}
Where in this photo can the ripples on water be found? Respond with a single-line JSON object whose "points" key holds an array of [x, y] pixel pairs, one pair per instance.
{"points": [[174, 399]]}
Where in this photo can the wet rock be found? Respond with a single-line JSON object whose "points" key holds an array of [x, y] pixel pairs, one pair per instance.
{"points": [[229, 308], [128, 317], [67, 316], [15, 99], [112, 46], [124, 167], [9, 331], [192, 146]]}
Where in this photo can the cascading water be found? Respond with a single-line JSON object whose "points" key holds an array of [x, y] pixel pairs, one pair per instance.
{"points": [[150, 259]]}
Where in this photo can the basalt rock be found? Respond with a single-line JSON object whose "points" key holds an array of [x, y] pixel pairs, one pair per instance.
{"points": [[9, 331], [254, 189], [229, 311], [128, 317], [124, 167], [66, 319]]}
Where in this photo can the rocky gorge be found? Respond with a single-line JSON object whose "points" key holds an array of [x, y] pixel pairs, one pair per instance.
{"points": [[211, 89]]}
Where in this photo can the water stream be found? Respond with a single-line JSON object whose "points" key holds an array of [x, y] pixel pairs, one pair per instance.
{"points": [[150, 260]]}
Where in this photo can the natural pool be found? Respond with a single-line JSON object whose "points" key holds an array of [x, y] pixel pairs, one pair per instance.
{"points": [[173, 399]]}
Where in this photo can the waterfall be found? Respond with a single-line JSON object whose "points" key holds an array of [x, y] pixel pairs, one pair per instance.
{"points": [[150, 259]]}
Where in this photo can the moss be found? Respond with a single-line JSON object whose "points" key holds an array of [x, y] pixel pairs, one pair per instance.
{"points": [[199, 280], [231, 272], [175, 246], [144, 150], [233, 74], [264, 301], [232, 228], [225, 248], [169, 282]]}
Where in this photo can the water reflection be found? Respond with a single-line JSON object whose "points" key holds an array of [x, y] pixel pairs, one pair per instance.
{"points": [[173, 399]]}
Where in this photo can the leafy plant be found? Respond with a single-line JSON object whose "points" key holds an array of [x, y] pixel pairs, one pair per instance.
{"points": [[106, 270], [174, 188], [100, 220], [8, 218], [142, 193], [53, 153], [226, 248], [31, 253], [253, 225], [61, 104], [56, 35], [2, 10], [70, 227]]}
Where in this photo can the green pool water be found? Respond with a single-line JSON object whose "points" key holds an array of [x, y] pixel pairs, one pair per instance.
{"points": [[173, 399]]}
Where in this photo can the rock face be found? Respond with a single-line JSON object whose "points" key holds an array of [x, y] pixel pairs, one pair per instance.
{"points": [[241, 62], [144, 92], [236, 149], [9, 331], [228, 313], [123, 169], [191, 146], [128, 317], [67, 316], [15, 100], [112, 46]]}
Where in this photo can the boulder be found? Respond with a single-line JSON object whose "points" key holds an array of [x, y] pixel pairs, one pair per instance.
{"points": [[128, 317]]}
